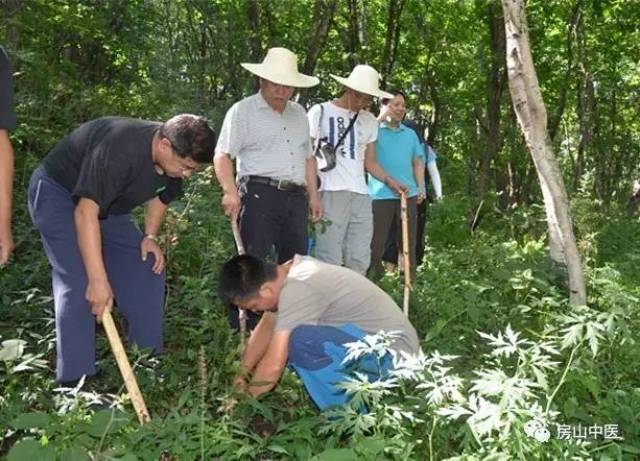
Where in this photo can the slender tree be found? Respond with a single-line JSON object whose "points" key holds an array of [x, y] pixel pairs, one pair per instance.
{"points": [[532, 117]]}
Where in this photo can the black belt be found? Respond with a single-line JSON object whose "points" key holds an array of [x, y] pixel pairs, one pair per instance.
{"points": [[286, 186]]}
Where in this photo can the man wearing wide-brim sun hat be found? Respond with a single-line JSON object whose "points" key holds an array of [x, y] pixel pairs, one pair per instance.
{"points": [[344, 125], [268, 137]]}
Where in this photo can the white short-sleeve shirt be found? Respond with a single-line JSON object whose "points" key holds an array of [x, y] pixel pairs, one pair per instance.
{"points": [[349, 172], [265, 142]]}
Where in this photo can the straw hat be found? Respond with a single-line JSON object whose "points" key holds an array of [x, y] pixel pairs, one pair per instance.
{"points": [[364, 79], [281, 66]]}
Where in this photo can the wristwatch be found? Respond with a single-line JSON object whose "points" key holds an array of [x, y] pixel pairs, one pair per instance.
{"points": [[153, 237]]}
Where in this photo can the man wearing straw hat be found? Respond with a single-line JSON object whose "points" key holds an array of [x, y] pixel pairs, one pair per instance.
{"points": [[345, 126], [268, 136]]}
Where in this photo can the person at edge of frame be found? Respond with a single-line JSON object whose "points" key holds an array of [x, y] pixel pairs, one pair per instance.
{"points": [[7, 123]]}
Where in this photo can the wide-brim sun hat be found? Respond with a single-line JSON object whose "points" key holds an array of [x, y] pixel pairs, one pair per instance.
{"points": [[364, 79], [281, 66]]}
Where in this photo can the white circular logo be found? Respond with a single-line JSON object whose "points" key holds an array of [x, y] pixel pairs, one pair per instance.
{"points": [[531, 427], [542, 434]]}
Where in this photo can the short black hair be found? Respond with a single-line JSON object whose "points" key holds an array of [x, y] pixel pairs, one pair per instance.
{"points": [[242, 276], [394, 92], [190, 136]]}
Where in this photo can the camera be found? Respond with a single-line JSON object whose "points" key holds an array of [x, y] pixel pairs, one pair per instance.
{"points": [[325, 156]]}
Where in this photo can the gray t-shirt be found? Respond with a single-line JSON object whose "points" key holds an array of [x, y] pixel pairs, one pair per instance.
{"points": [[317, 293]]}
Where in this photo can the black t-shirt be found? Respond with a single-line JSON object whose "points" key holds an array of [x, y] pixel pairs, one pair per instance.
{"points": [[108, 160], [7, 116]]}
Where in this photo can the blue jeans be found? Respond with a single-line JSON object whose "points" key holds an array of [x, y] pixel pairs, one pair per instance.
{"points": [[138, 292], [316, 354]]}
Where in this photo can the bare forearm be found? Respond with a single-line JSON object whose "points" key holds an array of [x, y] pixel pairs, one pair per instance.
{"points": [[153, 218], [6, 179], [311, 177], [225, 174], [271, 365], [258, 343], [373, 167], [264, 379], [418, 173]]}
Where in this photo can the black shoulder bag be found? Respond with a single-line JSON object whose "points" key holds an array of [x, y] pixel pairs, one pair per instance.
{"points": [[326, 153]]}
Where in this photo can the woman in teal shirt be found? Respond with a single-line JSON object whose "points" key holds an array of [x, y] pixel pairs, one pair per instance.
{"points": [[399, 152]]}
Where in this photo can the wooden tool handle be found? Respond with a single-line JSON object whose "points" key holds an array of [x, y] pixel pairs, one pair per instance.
{"points": [[125, 368], [242, 314], [236, 236], [405, 251]]}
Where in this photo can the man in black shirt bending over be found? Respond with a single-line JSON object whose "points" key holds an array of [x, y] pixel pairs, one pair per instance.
{"points": [[80, 199]]}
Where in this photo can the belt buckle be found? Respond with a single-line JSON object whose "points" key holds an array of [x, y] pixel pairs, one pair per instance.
{"points": [[285, 185]]}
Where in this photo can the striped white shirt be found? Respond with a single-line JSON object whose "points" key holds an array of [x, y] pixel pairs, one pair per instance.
{"points": [[265, 142]]}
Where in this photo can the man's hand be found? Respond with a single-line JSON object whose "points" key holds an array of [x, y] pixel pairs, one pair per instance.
{"points": [[99, 295], [421, 197], [231, 204], [151, 246], [316, 209], [240, 384], [395, 186], [6, 245]]}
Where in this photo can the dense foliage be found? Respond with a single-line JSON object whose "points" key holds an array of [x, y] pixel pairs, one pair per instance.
{"points": [[502, 345]]}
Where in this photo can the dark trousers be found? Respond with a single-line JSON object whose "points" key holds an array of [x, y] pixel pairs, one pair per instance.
{"points": [[138, 291], [273, 226], [385, 214], [391, 247]]}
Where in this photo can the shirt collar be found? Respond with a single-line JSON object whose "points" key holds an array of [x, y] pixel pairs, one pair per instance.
{"points": [[400, 127], [261, 103]]}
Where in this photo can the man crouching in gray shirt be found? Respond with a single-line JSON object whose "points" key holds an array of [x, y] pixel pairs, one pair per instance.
{"points": [[311, 309]]}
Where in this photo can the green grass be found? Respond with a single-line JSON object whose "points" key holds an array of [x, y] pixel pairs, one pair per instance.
{"points": [[498, 277]]}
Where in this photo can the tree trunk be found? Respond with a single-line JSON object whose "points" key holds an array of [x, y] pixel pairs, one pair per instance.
{"points": [[323, 14], [532, 117], [8, 8], [253, 19], [495, 86], [353, 34], [391, 41], [574, 22]]}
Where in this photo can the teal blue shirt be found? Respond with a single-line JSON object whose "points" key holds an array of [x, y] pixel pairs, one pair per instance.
{"points": [[395, 150]]}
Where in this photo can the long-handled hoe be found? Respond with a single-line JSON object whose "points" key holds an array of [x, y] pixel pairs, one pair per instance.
{"points": [[405, 252], [242, 314], [125, 368]]}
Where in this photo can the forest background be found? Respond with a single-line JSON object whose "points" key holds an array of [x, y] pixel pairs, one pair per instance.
{"points": [[485, 294]]}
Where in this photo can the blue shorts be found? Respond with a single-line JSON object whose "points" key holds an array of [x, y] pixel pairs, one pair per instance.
{"points": [[316, 354]]}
